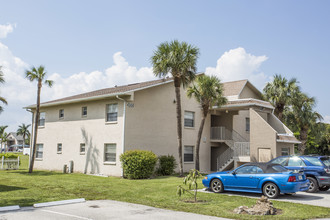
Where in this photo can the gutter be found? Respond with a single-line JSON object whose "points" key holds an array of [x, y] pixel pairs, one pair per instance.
{"points": [[124, 119]]}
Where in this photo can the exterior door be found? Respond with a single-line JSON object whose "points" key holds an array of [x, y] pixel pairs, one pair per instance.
{"points": [[264, 154]]}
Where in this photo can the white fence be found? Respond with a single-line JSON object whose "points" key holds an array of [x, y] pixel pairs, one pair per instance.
{"points": [[9, 164]]}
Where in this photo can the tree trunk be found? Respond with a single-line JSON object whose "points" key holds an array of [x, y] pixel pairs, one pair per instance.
{"points": [[199, 137], [303, 138], [32, 156], [280, 109], [177, 85]]}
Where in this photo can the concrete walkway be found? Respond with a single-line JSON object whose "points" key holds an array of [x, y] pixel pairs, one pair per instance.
{"points": [[101, 209], [317, 199]]}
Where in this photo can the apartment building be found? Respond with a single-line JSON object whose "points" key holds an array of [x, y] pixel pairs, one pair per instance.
{"points": [[93, 129]]}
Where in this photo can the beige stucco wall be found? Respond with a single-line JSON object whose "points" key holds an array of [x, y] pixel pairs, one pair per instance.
{"points": [[248, 93], [281, 145], [93, 130], [262, 136], [278, 125], [239, 123], [151, 124]]}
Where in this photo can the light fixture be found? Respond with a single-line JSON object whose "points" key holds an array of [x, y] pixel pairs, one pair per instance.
{"points": [[227, 111], [174, 101]]}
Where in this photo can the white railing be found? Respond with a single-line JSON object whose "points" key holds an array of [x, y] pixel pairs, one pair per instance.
{"points": [[224, 158], [218, 133], [242, 149], [9, 164]]}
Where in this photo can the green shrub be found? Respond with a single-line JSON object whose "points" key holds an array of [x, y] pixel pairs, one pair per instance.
{"points": [[138, 164], [167, 164], [8, 155]]}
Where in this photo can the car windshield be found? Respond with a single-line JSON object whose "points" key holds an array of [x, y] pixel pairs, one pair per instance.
{"points": [[326, 161], [314, 160]]}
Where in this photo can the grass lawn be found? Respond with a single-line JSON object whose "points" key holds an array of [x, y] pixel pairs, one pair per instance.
{"points": [[20, 188]]}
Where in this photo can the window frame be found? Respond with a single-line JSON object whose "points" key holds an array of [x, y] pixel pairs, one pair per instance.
{"points": [[247, 124], [61, 113], [184, 154], [107, 117], [105, 156], [57, 149], [38, 151], [193, 119], [80, 147], [40, 119], [82, 112], [283, 150]]}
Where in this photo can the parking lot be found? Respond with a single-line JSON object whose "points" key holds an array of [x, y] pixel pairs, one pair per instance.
{"points": [[101, 209], [318, 199]]}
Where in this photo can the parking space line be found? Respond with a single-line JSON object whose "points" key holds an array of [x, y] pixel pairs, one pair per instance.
{"points": [[60, 213]]}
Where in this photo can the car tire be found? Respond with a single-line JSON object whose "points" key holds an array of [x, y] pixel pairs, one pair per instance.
{"points": [[314, 186], [216, 186], [324, 188], [270, 190]]}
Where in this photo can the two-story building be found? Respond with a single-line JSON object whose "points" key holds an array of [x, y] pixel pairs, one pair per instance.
{"points": [[93, 129]]}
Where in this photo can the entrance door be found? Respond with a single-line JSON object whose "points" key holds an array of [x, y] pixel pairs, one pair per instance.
{"points": [[264, 155]]}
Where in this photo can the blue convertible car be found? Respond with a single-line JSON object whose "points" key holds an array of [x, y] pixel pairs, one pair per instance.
{"points": [[266, 178]]}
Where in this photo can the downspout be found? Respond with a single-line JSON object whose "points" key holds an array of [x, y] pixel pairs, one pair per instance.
{"points": [[31, 136], [124, 119]]}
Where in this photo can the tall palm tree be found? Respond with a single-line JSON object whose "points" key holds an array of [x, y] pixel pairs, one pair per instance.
{"points": [[278, 92], [208, 92], [302, 117], [2, 134], [2, 99], [178, 59], [39, 75], [24, 131], [4, 139]]}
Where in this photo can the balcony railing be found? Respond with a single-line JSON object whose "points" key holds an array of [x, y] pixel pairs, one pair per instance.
{"points": [[222, 133], [241, 149]]}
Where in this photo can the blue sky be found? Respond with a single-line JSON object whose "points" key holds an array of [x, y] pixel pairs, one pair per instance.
{"points": [[113, 41]]}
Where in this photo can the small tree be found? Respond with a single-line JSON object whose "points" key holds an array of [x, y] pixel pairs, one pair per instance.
{"points": [[24, 131], [191, 181]]}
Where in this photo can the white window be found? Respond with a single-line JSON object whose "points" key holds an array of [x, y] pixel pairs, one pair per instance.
{"points": [[110, 153], [59, 148], [285, 151], [189, 119], [61, 113], [112, 112], [247, 124], [84, 111], [39, 151], [82, 148], [188, 154], [42, 118]]}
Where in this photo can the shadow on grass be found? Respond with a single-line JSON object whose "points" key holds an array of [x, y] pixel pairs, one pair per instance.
{"points": [[20, 202], [39, 173], [4, 188]]}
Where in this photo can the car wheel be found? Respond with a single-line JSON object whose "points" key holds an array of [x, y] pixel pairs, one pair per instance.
{"points": [[270, 190], [324, 188], [216, 186], [313, 185]]}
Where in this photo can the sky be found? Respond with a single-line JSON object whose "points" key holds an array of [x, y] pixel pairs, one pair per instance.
{"points": [[89, 45]]}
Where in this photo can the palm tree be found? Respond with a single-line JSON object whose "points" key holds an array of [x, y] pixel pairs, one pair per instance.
{"points": [[208, 91], [24, 131], [2, 99], [38, 75], [4, 139], [178, 59], [302, 117], [2, 134], [278, 92]]}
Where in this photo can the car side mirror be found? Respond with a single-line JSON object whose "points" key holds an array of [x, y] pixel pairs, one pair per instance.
{"points": [[234, 173]]}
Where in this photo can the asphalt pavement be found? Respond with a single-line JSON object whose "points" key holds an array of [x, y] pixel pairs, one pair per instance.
{"points": [[99, 210], [317, 199]]}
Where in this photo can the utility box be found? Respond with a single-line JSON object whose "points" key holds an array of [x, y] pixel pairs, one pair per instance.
{"points": [[65, 168], [71, 166]]}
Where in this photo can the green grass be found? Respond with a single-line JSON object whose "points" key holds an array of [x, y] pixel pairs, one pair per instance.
{"points": [[20, 188]]}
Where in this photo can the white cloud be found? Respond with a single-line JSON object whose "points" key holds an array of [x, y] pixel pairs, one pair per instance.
{"points": [[6, 29], [327, 119], [20, 92], [237, 64]]}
